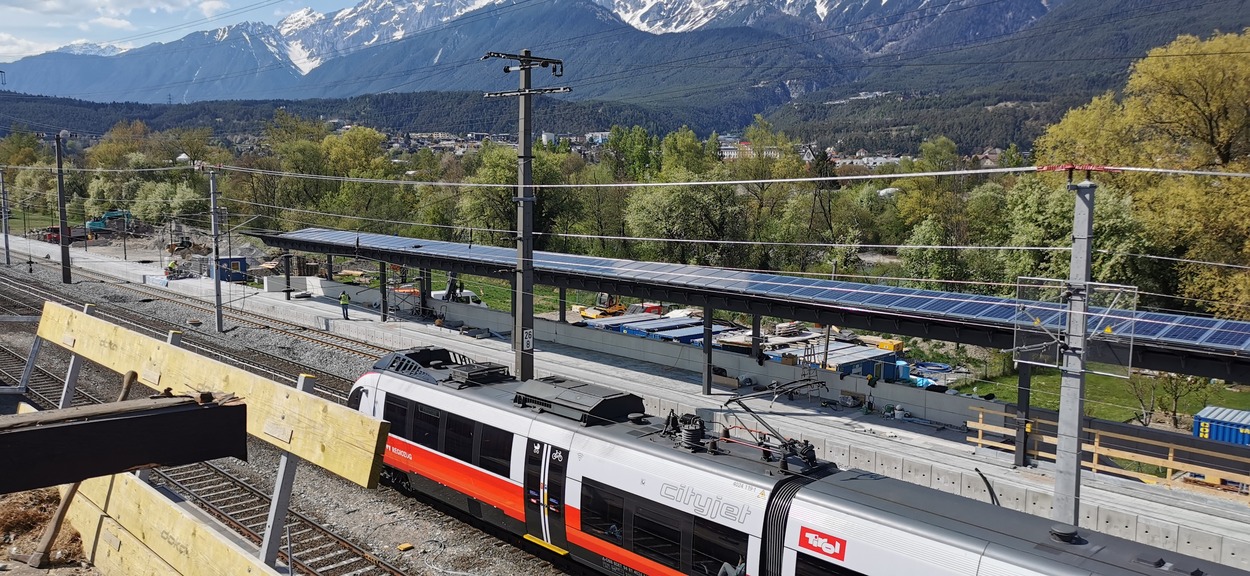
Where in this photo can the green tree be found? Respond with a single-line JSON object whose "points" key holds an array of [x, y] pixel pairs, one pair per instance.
{"points": [[696, 224], [632, 154], [769, 155], [934, 197], [682, 149], [493, 209], [927, 263], [20, 148], [1190, 96]]}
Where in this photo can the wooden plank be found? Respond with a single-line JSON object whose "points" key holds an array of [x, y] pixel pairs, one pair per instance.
{"points": [[59, 446], [1165, 463], [1163, 444], [110, 548], [991, 443], [334, 437], [972, 425], [173, 534]]}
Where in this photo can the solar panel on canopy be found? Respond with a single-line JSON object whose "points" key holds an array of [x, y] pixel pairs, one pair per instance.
{"points": [[809, 291], [738, 281], [641, 270], [974, 305], [942, 302], [685, 275], [1041, 317], [1101, 319], [1150, 324], [915, 301], [890, 296], [1189, 329], [786, 285], [1219, 334], [1231, 334], [1000, 309], [831, 291], [859, 293], [720, 279]]}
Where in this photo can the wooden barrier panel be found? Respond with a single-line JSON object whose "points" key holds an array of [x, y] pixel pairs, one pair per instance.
{"points": [[129, 528], [334, 437], [1095, 448]]}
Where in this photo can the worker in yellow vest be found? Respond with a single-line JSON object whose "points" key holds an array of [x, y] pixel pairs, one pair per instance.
{"points": [[344, 300]]}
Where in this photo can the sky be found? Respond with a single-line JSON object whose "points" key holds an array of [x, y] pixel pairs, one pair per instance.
{"points": [[29, 27]]}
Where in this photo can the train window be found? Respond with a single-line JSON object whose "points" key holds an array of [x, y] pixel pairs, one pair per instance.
{"points": [[353, 401], [603, 511], [425, 426], [658, 537], [810, 566], [458, 438], [714, 545], [395, 411], [495, 450]]}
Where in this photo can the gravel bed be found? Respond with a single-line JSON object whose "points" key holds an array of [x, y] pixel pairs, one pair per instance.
{"points": [[378, 520]]}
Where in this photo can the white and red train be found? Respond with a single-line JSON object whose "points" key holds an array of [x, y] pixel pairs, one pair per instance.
{"points": [[577, 468]]}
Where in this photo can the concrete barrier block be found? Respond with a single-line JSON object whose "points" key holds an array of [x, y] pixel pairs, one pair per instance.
{"points": [[946, 480], [1039, 503], [918, 472], [838, 453], [1011, 496], [1157, 533], [1089, 516], [863, 459], [890, 465], [1116, 523], [1235, 553], [1198, 544], [972, 486]]}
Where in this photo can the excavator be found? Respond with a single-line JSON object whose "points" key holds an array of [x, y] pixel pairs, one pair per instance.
{"points": [[609, 305]]}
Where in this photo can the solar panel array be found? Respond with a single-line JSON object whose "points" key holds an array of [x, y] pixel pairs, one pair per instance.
{"points": [[1210, 334]]}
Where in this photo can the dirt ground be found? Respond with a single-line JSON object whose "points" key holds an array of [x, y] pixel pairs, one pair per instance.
{"points": [[23, 517]]}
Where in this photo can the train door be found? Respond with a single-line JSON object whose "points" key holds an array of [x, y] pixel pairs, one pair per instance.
{"points": [[545, 467]]}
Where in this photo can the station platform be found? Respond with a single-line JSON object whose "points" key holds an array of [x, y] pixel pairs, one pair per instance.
{"points": [[1193, 523]]}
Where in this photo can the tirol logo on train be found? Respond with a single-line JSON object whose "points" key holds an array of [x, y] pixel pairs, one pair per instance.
{"points": [[822, 543]]}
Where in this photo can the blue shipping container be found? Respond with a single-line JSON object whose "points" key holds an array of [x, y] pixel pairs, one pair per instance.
{"points": [[233, 269], [1223, 425]]}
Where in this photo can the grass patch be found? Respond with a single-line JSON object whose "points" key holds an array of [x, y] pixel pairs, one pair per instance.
{"points": [[1106, 397]]}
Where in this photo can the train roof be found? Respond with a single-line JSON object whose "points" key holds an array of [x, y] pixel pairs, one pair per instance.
{"points": [[613, 416], [1009, 534]]}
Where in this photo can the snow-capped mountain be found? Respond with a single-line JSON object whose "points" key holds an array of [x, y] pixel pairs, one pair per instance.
{"points": [[314, 38], [90, 49], [656, 51]]}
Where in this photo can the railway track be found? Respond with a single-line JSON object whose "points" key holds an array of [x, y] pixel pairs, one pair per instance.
{"points": [[259, 321], [314, 549], [327, 385], [44, 390]]}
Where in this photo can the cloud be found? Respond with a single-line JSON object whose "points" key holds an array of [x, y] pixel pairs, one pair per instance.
{"points": [[13, 48], [117, 23], [213, 7]]}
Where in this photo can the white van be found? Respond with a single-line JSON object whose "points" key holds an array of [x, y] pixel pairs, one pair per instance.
{"points": [[465, 297]]}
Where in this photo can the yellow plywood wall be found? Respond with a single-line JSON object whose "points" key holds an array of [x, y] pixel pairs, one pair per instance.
{"points": [[129, 528], [334, 437]]}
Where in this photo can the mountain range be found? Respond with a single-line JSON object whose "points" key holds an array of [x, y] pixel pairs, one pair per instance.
{"points": [[617, 49], [796, 58]]}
